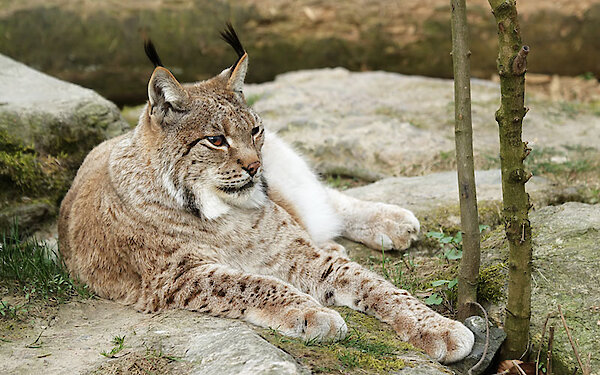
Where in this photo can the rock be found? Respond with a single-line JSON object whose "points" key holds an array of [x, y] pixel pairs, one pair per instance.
{"points": [[29, 216], [434, 198], [566, 254], [424, 194], [374, 124], [496, 338], [201, 344], [47, 127], [234, 348]]}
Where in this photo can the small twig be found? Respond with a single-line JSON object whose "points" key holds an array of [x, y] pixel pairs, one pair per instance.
{"points": [[518, 367], [32, 345], [519, 65], [487, 339], [549, 354], [537, 360], [562, 317], [588, 365], [44, 355]]}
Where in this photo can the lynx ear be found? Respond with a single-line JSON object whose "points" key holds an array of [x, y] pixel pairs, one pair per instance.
{"points": [[237, 73], [166, 94]]}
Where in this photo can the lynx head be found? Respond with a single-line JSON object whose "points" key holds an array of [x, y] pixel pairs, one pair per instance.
{"points": [[207, 138]]}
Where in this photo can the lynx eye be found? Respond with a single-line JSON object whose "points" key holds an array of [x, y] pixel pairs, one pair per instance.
{"points": [[255, 130], [217, 140]]}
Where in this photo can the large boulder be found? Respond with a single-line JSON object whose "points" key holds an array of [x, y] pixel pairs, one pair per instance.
{"points": [[375, 124], [47, 126], [566, 255]]}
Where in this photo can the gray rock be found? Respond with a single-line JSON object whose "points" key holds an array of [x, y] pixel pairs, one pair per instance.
{"points": [[205, 345], [229, 348], [51, 115], [47, 127], [372, 124], [477, 325], [566, 242], [424, 194], [29, 216]]}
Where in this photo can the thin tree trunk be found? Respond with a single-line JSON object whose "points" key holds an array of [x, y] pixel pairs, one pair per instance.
{"points": [[463, 136], [512, 58]]}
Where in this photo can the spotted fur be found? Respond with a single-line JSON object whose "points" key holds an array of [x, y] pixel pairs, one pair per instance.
{"points": [[171, 215]]}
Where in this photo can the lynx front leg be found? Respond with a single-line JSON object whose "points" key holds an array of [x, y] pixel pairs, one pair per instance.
{"points": [[377, 225], [262, 300], [337, 280]]}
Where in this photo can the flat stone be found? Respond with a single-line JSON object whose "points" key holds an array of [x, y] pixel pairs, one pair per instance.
{"points": [[72, 341], [374, 124], [422, 194]]}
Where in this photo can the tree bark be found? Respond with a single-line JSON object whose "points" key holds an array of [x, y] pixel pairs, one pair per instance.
{"points": [[463, 136], [512, 58]]}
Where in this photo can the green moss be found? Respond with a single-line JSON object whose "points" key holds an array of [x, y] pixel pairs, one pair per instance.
{"points": [[26, 178], [371, 347], [491, 283]]}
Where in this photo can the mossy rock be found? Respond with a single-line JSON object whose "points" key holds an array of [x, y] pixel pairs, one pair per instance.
{"points": [[566, 253], [47, 127], [371, 347]]}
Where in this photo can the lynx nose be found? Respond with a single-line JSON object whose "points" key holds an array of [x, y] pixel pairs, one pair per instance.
{"points": [[252, 168]]}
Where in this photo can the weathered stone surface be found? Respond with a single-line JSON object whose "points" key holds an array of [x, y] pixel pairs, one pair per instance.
{"points": [[566, 255], [374, 124], [496, 338], [73, 340], [51, 115], [47, 126], [424, 194]]}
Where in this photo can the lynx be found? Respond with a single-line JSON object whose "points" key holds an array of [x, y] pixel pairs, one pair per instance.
{"points": [[201, 208]]}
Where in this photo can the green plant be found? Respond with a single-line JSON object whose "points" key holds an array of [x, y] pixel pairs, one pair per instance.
{"points": [[452, 250], [452, 245], [8, 311], [118, 345]]}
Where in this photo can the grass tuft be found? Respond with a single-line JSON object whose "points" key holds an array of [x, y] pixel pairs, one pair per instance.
{"points": [[32, 269]]}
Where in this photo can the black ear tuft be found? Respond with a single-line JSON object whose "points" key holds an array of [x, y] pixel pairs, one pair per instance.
{"points": [[151, 53], [229, 35]]}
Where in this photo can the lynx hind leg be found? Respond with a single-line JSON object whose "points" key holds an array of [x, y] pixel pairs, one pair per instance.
{"points": [[377, 225], [262, 300]]}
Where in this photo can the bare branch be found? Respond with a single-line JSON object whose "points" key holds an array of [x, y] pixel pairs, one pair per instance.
{"points": [[575, 351]]}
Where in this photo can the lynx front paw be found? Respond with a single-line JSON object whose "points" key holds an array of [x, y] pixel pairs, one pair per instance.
{"points": [[384, 226], [319, 324], [448, 342]]}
